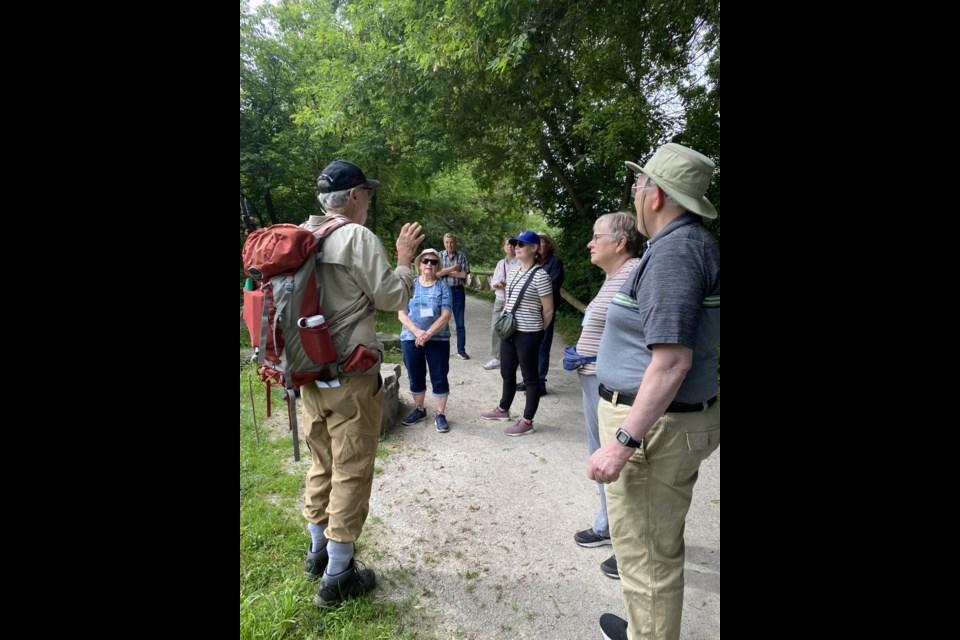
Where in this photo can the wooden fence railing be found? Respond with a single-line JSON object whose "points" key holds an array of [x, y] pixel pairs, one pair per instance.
{"points": [[480, 280]]}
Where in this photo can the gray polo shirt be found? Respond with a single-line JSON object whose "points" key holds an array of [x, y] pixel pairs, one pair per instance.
{"points": [[673, 297]]}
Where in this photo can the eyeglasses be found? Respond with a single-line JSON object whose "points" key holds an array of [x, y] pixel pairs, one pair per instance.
{"points": [[596, 236], [430, 261], [518, 244], [637, 187]]}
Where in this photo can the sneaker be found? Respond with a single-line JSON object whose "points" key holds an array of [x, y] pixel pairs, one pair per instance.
{"points": [[609, 568], [315, 563], [463, 355], [441, 422], [418, 415], [590, 538], [496, 414], [613, 627], [521, 428], [351, 583], [493, 364]]}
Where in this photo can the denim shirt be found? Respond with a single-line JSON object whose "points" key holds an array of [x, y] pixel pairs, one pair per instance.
{"points": [[425, 307]]}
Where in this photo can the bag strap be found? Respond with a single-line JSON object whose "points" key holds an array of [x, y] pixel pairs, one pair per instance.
{"points": [[322, 233], [523, 290]]}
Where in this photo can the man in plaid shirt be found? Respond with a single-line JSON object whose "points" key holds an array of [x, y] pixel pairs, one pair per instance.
{"points": [[454, 275]]}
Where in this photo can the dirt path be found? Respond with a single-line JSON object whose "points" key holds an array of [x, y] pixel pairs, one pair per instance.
{"points": [[472, 531]]}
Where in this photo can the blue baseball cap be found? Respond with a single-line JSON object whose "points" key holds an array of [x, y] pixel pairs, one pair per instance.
{"points": [[529, 237]]}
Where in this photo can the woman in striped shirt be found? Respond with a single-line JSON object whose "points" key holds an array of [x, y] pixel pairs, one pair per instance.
{"points": [[613, 248], [533, 313]]}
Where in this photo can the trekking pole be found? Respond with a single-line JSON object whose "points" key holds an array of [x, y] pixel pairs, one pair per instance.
{"points": [[292, 410], [253, 406], [249, 222]]}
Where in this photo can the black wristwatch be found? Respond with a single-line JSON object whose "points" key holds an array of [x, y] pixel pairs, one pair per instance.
{"points": [[626, 439]]}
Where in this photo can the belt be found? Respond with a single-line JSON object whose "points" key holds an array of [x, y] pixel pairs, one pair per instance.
{"points": [[675, 407]]}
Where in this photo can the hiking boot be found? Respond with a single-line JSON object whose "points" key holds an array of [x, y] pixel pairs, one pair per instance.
{"points": [[441, 422], [521, 428], [315, 564], [609, 568], [496, 414], [613, 627], [590, 538], [418, 415], [351, 583], [493, 364], [463, 355]]}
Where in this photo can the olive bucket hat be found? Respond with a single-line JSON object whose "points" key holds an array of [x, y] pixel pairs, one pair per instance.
{"points": [[683, 174]]}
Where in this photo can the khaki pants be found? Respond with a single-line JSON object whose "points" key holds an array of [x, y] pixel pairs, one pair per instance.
{"points": [[648, 507], [342, 427]]}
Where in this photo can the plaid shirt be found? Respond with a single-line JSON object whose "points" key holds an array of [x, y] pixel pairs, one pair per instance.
{"points": [[458, 257]]}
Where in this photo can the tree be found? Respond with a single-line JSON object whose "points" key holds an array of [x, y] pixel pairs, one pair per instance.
{"points": [[541, 101]]}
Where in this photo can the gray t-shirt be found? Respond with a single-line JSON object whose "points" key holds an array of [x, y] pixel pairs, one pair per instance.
{"points": [[673, 297]]}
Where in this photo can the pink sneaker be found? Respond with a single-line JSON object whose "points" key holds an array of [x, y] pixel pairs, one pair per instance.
{"points": [[496, 414], [521, 428]]}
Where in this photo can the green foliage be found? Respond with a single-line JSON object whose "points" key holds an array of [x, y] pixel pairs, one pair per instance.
{"points": [[476, 114]]}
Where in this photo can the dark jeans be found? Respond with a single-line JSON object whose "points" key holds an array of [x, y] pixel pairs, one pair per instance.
{"points": [[459, 299], [435, 355], [520, 349], [544, 363]]}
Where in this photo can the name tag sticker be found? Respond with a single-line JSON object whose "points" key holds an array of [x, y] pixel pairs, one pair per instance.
{"points": [[586, 317], [426, 312]]}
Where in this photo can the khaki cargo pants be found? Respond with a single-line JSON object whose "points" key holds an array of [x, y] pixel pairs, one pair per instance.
{"points": [[342, 427], [648, 507]]}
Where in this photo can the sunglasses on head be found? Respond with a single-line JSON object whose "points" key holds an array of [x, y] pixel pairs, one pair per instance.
{"points": [[430, 261], [518, 243]]}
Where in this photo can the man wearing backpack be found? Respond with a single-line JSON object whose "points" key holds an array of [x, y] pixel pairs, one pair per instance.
{"points": [[342, 423]]}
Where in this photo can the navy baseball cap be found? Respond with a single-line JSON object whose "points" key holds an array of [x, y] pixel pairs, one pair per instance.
{"points": [[529, 237], [341, 175]]}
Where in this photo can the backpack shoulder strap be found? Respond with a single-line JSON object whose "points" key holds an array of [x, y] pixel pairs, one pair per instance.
{"points": [[328, 227]]}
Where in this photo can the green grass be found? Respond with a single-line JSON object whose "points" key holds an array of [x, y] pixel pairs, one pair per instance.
{"points": [[388, 322], [568, 326], [275, 600]]}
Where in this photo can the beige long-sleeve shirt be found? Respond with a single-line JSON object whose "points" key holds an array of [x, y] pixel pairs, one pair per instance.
{"points": [[357, 279]]}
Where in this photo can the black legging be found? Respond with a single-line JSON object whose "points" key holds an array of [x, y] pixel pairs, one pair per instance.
{"points": [[523, 349]]}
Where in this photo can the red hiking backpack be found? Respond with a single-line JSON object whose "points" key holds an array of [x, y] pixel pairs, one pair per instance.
{"points": [[291, 331]]}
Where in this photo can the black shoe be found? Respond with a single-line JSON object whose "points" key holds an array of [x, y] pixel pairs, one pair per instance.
{"points": [[463, 355], [613, 627], [590, 538], [315, 563], [343, 586], [521, 386], [543, 391], [609, 567]]}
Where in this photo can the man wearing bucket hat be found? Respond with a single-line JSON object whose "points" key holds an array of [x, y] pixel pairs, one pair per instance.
{"points": [[342, 424], [658, 410]]}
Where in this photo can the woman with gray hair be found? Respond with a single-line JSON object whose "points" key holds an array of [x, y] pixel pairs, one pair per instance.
{"points": [[613, 248]]}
